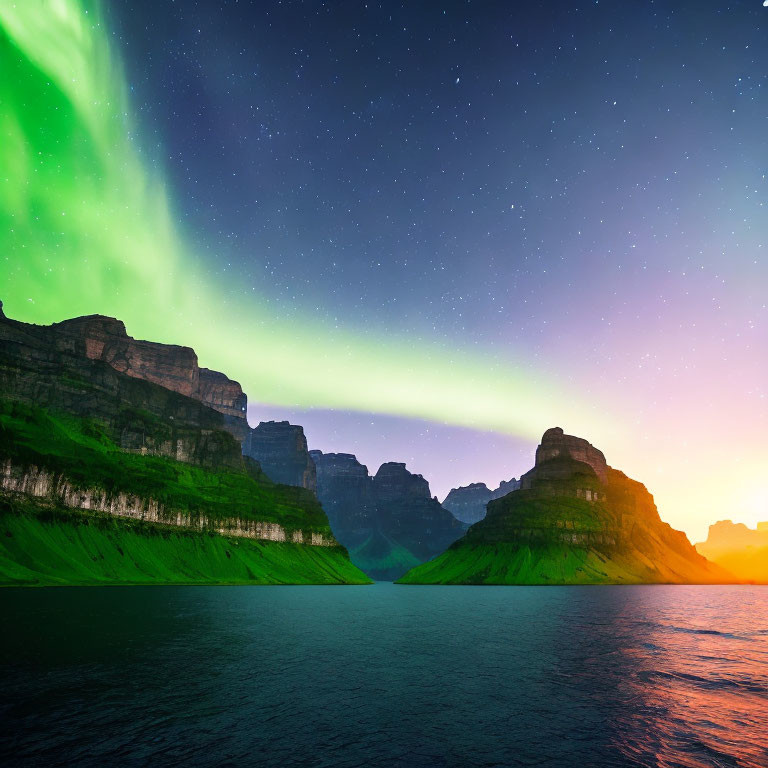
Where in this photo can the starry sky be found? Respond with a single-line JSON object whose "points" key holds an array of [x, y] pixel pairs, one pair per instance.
{"points": [[425, 231]]}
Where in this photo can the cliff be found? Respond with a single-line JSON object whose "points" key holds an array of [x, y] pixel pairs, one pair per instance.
{"points": [[172, 367], [45, 367], [281, 450], [739, 549], [468, 503], [345, 489], [556, 444], [575, 520], [388, 522], [83, 444], [42, 544]]}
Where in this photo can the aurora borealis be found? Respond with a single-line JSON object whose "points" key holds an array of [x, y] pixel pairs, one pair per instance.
{"points": [[471, 225]]}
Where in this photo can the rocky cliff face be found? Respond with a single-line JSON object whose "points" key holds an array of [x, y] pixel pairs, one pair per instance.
{"points": [[39, 483], [556, 444], [93, 427], [388, 522], [172, 367], [574, 521], [468, 503], [281, 450], [393, 481], [345, 490], [44, 367]]}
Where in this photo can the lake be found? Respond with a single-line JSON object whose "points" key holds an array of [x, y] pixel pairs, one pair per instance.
{"points": [[385, 676]]}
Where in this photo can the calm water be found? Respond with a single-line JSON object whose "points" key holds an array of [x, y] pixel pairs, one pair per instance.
{"points": [[385, 675]]}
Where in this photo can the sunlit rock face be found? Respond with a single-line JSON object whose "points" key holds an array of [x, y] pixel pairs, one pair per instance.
{"points": [[575, 520], [468, 503], [738, 548], [281, 450], [388, 522], [170, 366]]}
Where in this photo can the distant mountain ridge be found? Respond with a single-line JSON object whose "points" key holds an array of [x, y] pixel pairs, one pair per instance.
{"points": [[468, 503], [739, 549], [575, 520], [388, 522]]}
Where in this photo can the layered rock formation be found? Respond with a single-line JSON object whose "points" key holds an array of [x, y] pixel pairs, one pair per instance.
{"points": [[556, 444], [88, 447], [45, 367], [172, 367], [31, 481], [281, 450], [575, 520], [740, 549], [468, 503], [388, 522]]}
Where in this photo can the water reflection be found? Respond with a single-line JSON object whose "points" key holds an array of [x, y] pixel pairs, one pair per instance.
{"points": [[700, 680], [385, 675]]}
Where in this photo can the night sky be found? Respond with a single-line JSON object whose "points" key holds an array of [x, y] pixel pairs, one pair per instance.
{"points": [[574, 192]]}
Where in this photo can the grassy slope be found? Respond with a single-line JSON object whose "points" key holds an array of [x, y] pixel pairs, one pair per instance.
{"points": [[82, 452], [505, 563], [43, 545], [56, 547], [502, 550]]}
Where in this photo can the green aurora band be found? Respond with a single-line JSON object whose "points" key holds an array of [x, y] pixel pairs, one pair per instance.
{"points": [[86, 227]]}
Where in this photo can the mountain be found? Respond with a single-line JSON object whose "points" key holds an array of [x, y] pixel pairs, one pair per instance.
{"points": [[468, 503], [575, 520], [172, 367], [121, 462], [741, 550], [281, 450], [389, 522], [279, 447]]}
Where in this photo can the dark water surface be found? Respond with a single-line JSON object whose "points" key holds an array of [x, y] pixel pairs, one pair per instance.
{"points": [[385, 675]]}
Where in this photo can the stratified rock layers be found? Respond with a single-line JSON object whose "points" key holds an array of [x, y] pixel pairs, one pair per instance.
{"points": [[172, 367], [389, 522], [46, 367], [120, 464], [575, 520]]}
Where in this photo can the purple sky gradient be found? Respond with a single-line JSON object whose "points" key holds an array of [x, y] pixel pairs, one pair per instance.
{"points": [[447, 456]]}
